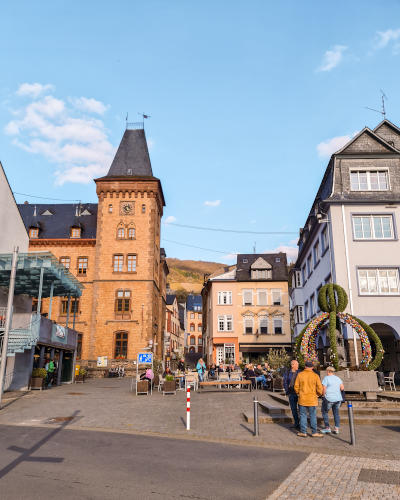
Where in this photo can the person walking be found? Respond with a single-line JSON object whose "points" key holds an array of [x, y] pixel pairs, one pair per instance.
{"points": [[289, 379], [308, 387], [201, 368], [332, 398]]}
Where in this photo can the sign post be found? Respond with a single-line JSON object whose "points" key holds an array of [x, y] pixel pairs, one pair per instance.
{"points": [[144, 358]]}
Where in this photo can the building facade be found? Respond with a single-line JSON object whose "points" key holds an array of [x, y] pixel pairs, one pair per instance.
{"points": [[113, 248], [174, 332], [246, 309], [351, 238], [194, 323]]}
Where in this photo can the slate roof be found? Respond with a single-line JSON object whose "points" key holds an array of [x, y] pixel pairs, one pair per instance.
{"points": [[193, 300], [279, 269], [132, 154], [170, 299], [64, 217]]}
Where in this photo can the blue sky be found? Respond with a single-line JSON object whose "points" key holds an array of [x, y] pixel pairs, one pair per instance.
{"points": [[247, 101]]}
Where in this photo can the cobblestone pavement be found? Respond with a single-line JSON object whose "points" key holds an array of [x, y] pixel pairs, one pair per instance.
{"points": [[335, 477], [109, 404]]}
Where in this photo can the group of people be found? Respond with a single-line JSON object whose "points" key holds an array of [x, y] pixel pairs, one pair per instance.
{"points": [[51, 367], [304, 388], [118, 371], [259, 374]]}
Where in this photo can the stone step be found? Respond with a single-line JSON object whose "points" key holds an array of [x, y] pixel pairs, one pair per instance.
{"points": [[384, 401], [265, 418], [277, 409]]}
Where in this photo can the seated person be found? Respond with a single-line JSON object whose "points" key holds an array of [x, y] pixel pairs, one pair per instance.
{"points": [[182, 365], [201, 368], [149, 375], [246, 367], [213, 369], [167, 372], [221, 368], [260, 376], [250, 375], [111, 372], [122, 371]]}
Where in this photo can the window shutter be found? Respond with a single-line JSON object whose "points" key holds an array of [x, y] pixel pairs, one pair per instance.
{"points": [[248, 298], [262, 298], [264, 324], [276, 297], [248, 322]]}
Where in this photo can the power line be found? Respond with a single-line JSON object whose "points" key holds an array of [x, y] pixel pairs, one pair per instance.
{"points": [[199, 248], [41, 197], [228, 230]]}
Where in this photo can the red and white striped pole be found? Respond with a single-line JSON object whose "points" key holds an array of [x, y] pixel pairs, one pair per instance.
{"points": [[188, 410]]}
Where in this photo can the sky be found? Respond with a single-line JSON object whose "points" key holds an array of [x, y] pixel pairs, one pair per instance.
{"points": [[247, 101]]}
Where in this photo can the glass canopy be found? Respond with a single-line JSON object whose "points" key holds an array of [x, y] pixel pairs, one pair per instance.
{"points": [[29, 270]]}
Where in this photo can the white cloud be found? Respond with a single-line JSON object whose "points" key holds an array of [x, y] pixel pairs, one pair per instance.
{"points": [[230, 256], [384, 37], [327, 148], [150, 143], [212, 203], [252, 221], [33, 89], [170, 219], [77, 145], [294, 242], [88, 105], [331, 58], [291, 252]]}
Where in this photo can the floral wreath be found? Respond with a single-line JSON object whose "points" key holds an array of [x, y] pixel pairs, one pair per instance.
{"points": [[333, 313]]}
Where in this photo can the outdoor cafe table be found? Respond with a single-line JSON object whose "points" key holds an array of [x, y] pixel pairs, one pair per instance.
{"points": [[179, 377]]}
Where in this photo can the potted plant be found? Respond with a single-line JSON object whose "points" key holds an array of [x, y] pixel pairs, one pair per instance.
{"points": [[81, 376], [143, 386], [169, 384], [38, 378]]}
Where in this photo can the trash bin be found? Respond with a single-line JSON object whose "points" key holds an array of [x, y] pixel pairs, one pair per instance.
{"points": [[77, 368]]}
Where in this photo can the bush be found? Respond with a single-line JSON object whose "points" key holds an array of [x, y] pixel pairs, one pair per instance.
{"points": [[39, 373], [278, 358], [169, 378], [82, 371]]}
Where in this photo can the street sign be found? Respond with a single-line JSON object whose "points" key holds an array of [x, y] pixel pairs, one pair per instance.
{"points": [[145, 357]]}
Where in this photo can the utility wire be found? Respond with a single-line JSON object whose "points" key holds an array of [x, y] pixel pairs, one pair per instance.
{"points": [[228, 230], [41, 197], [199, 248]]}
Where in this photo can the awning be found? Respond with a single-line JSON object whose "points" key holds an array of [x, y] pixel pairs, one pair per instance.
{"points": [[29, 268]]}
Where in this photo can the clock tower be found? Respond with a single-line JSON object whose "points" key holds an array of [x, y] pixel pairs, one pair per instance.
{"points": [[129, 279]]}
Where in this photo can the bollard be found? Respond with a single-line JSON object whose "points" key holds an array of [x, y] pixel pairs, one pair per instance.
{"points": [[188, 410], [256, 416], [351, 422]]}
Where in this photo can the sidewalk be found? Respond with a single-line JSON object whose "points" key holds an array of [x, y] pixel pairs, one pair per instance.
{"points": [[217, 416]]}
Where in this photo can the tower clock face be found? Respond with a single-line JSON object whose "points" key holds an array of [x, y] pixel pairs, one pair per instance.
{"points": [[127, 207]]}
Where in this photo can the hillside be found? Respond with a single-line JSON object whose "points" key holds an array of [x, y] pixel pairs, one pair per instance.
{"points": [[189, 274]]}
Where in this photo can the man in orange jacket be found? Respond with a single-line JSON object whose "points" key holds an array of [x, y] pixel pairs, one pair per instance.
{"points": [[308, 386]]}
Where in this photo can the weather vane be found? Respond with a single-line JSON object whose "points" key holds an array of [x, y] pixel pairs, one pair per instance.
{"points": [[383, 112]]}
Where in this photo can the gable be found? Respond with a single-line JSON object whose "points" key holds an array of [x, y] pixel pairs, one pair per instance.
{"points": [[261, 263], [366, 143], [389, 133]]}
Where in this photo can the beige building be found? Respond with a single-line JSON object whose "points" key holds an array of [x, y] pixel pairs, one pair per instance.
{"points": [[173, 331], [246, 309], [194, 323]]}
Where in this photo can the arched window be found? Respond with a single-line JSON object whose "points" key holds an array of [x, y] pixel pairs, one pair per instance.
{"points": [[143, 209], [121, 232], [131, 232], [192, 327], [110, 209], [199, 327], [200, 340], [192, 340]]}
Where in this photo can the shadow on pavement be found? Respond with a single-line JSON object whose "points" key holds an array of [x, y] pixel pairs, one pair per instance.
{"points": [[26, 454]]}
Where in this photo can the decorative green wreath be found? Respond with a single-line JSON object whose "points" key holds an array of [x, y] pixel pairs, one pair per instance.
{"points": [[333, 312]]}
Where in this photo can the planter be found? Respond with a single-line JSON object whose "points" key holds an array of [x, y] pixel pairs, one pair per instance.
{"points": [[37, 383], [80, 378], [169, 386], [143, 387], [277, 384]]}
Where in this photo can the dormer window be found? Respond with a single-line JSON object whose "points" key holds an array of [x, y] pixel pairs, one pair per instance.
{"points": [[129, 171], [261, 269], [33, 232], [75, 232], [245, 261]]}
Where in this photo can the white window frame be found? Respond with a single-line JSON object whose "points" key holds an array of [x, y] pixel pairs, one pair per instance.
{"points": [[368, 172], [276, 290], [263, 318], [312, 305], [297, 279], [226, 321], [247, 290], [377, 270], [306, 311], [371, 218], [300, 313], [316, 253], [303, 274], [309, 265], [252, 325], [325, 239], [224, 296]]}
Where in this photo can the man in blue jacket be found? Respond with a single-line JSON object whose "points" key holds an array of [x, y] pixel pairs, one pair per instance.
{"points": [[289, 379]]}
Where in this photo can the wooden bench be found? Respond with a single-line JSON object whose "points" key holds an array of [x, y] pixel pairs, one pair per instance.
{"points": [[225, 382]]}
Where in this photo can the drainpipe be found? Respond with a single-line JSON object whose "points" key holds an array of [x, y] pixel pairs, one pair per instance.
{"points": [[349, 281], [7, 326]]}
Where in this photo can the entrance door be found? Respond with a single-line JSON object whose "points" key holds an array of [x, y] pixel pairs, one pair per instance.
{"points": [[220, 355]]}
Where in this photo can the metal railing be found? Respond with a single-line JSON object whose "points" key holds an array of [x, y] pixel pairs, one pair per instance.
{"points": [[22, 338], [134, 126]]}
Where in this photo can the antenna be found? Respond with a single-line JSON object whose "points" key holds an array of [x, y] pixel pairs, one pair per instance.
{"points": [[383, 112], [255, 246]]}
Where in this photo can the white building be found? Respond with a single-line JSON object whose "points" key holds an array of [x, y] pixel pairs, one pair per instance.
{"points": [[351, 238]]}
